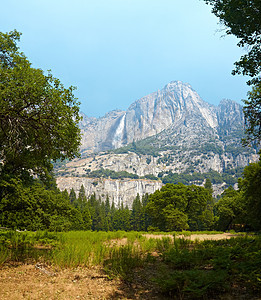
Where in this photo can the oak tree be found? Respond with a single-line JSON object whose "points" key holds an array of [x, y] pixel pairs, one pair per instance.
{"points": [[38, 115], [242, 19]]}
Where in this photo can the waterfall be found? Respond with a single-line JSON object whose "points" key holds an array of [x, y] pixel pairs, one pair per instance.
{"points": [[118, 136]]}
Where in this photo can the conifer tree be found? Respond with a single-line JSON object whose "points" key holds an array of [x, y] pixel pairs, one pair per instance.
{"points": [[81, 200], [208, 186], [72, 196], [107, 205], [86, 216], [136, 214]]}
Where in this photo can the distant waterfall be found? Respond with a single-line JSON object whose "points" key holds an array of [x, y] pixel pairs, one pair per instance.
{"points": [[117, 139]]}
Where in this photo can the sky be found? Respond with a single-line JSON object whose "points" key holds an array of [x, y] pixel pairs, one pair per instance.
{"points": [[117, 51]]}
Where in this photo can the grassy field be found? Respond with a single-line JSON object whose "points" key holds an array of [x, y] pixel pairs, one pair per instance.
{"points": [[176, 265]]}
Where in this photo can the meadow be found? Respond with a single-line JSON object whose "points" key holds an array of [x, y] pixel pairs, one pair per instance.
{"points": [[174, 264]]}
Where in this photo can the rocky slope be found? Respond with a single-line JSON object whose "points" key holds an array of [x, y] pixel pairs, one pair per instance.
{"points": [[119, 191], [177, 104], [172, 130]]}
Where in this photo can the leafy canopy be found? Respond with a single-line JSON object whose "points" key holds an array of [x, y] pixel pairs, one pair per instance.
{"points": [[38, 115], [178, 207], [252, 111], [242, 19]]}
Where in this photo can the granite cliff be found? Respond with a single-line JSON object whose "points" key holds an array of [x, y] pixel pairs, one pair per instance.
{"points": [[175, 105], [169, 131]]}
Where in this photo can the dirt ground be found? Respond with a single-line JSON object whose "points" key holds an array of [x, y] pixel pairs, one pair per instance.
{"points": [[30, 281], [194, 237]]}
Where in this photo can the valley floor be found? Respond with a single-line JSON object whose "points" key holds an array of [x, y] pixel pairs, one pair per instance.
{"points": [[22, 281], [40, 281]]}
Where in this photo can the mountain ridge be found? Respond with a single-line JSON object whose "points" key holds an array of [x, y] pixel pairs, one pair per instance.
{"points": [[148, 116], [170, 131]]}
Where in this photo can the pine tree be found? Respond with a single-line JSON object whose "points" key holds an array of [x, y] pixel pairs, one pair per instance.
{"points": [[136, 214], [208, 186], [81, 199], [72, 196], [107, 205], [86, 216], [145, 219]]}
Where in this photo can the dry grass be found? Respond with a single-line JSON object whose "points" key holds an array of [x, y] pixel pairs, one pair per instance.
{"points": [[28, 282]]}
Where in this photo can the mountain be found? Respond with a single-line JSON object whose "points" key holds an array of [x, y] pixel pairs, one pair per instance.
{"points": [[169, 131], [175, 105]]}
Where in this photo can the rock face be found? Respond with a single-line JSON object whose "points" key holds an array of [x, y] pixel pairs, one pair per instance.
{"points": [[177, 104], [142, 165], [118, 191], [172, 130]]}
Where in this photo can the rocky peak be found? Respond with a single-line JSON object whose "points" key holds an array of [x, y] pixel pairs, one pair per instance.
{"points": [[176, 106], [177, 86], [174, 130], [230, 116]]}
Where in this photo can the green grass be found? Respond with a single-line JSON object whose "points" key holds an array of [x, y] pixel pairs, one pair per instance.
{"points": [[182, 268], [209, 268], [122, 261]]}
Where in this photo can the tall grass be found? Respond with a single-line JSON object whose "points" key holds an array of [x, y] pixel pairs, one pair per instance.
{"points": [[67, 249], [122, 261], [208, 268], [184, 268], [21, 246]]}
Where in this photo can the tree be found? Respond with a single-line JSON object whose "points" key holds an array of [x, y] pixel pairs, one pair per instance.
{"points": [[252, 112], [179, 206], [251, 189], [72, 196], [81, 200], [176, 220], [136, 214], [38, 115], [230, 209], [121, 219], [208, 186], [35, 208], [242, 19]]}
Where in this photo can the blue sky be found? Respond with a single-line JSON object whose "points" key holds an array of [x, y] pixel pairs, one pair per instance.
{"points": [[117, 51]]}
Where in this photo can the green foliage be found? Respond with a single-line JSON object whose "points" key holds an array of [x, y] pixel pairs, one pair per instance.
{"points": [[38, 116], [136, 214], [33, 207], [211, 268], [175, 219], [143, 147], [178, 207], [38, 125], [242, 19], [228, 176], [241, 209], [72, 196], [208, 186], [106, 173], [251, 190], [211, 147], [122, 261], [150, 177], [252, 112], [185, 269], [21, 246], [230, 210]]}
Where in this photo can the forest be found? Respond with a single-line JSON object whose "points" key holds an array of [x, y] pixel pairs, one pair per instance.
{"points": [[176, 207]]}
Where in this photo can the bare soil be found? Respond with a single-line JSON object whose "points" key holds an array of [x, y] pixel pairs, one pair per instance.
{"points": [[193, 237], [22, 281]]}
